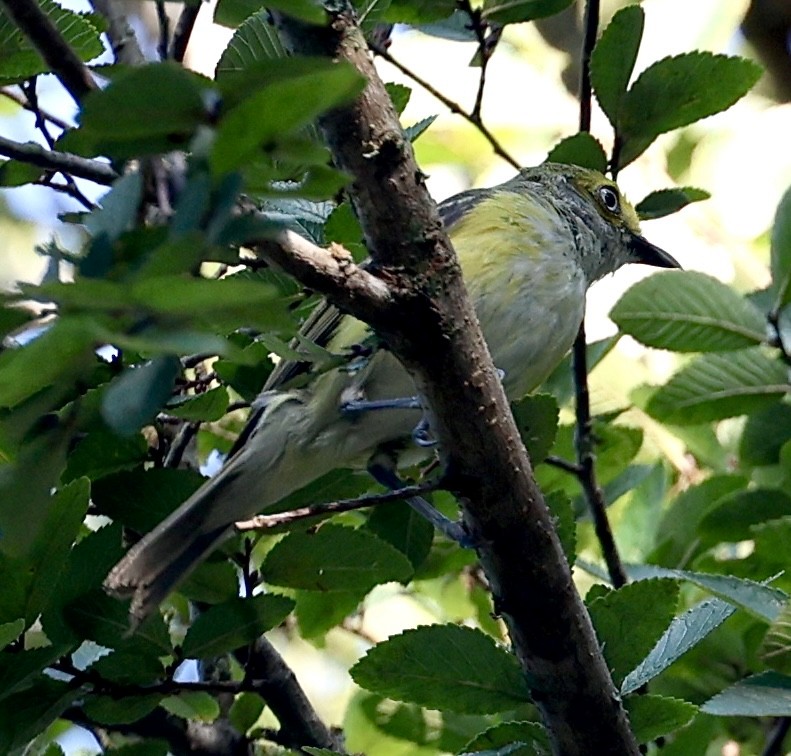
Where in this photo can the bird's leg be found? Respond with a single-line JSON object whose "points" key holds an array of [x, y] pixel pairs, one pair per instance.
{"points": [[421, 434], [381, 467]]}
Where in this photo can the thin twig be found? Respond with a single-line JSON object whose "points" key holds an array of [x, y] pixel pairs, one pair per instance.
{"points": [[774, 746], [179, 445], [586, 460], [63, 162], [452, 106], [184, 27], [51, 45], [164, 30], [564, 464], [266, 522]]}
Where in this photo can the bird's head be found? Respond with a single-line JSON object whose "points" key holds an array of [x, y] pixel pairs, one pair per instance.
{"points": [[597, 205]]}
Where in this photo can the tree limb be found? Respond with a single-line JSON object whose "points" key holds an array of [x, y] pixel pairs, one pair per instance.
{"points": [[63, 162], [434, 332], [56, 51]]}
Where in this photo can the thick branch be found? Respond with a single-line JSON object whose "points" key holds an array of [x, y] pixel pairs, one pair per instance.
{"points": [[63, 162], [56, 51], [434, 331], [121, 35]]}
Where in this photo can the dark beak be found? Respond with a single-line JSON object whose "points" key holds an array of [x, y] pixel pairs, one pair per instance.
{"points": [[649, 254]]}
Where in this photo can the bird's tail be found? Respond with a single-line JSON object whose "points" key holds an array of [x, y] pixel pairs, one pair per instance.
{"points": [[270, 466]]}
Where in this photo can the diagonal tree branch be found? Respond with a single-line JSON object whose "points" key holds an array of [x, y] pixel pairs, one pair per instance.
{"points": [[433, 330], [57, 53], [64, 162]]}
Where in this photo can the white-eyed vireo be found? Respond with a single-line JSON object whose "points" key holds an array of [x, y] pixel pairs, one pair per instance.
{"points": [[529, 249]]}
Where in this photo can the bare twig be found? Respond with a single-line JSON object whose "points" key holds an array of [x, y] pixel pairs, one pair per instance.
{"points": [[164, 30], [63, 162], [184, 27], [266, 522], [51, 45], [452, 106], [774, 746], [126, 48], [586, 460]]}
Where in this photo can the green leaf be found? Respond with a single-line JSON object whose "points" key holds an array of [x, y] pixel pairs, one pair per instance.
{"points": [[684, 633], [19, 668], [613, 58], [311, 11], [19, 59], [776, 646], [207, 407], [781, 252], [317, 612], [652, 716], [677, 91], [281, 108], [245, 711], [233, 624], [98, 617], [139, 499], [416, 12], [10, 631], [102, 452], [59, 355], [687, 311], [145, 110], [446, 667], [628, 621], [716, 386], [402, 527], [128, 668], [399, 94], [730, 518], [519, 11], [764, 434], [668, 201], [501, 736], [17, 173], [119, 711], [335, 558], [255, 40], [134, 398], [764, 695], [536, 418], [762, 601], [29, 712], [579, 149], [194, 705]]}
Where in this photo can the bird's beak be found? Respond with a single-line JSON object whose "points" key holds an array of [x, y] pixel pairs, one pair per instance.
{"points": [[649, 254]]}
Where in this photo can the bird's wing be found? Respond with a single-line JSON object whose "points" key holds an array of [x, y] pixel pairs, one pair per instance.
{"points": [[452, 210]]}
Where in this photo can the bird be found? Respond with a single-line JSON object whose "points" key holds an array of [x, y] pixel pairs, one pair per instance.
{"points": [[528, 248]]}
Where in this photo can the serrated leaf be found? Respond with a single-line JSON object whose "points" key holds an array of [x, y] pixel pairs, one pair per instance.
{"points": [[416, 12], [254, 41], [652, 716], [311, 11], [10, 631], [759, 599], [245, 711], [19, 59], [138, 393], [668, 201], [505, 734], [318, 612], [776, 646], [716, 386], [335, 558], [416, 129], [235, 623], [446, 667], [579, 149], [687, 311], [781, 252], [613, 58], [628, 621], [677, 91], [520, 11], [17, 669], [730, 518], [764, 695], [399, 94], [684, 633]]}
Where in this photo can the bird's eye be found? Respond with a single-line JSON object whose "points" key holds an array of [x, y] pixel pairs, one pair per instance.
{"points": [[609, 199]]}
